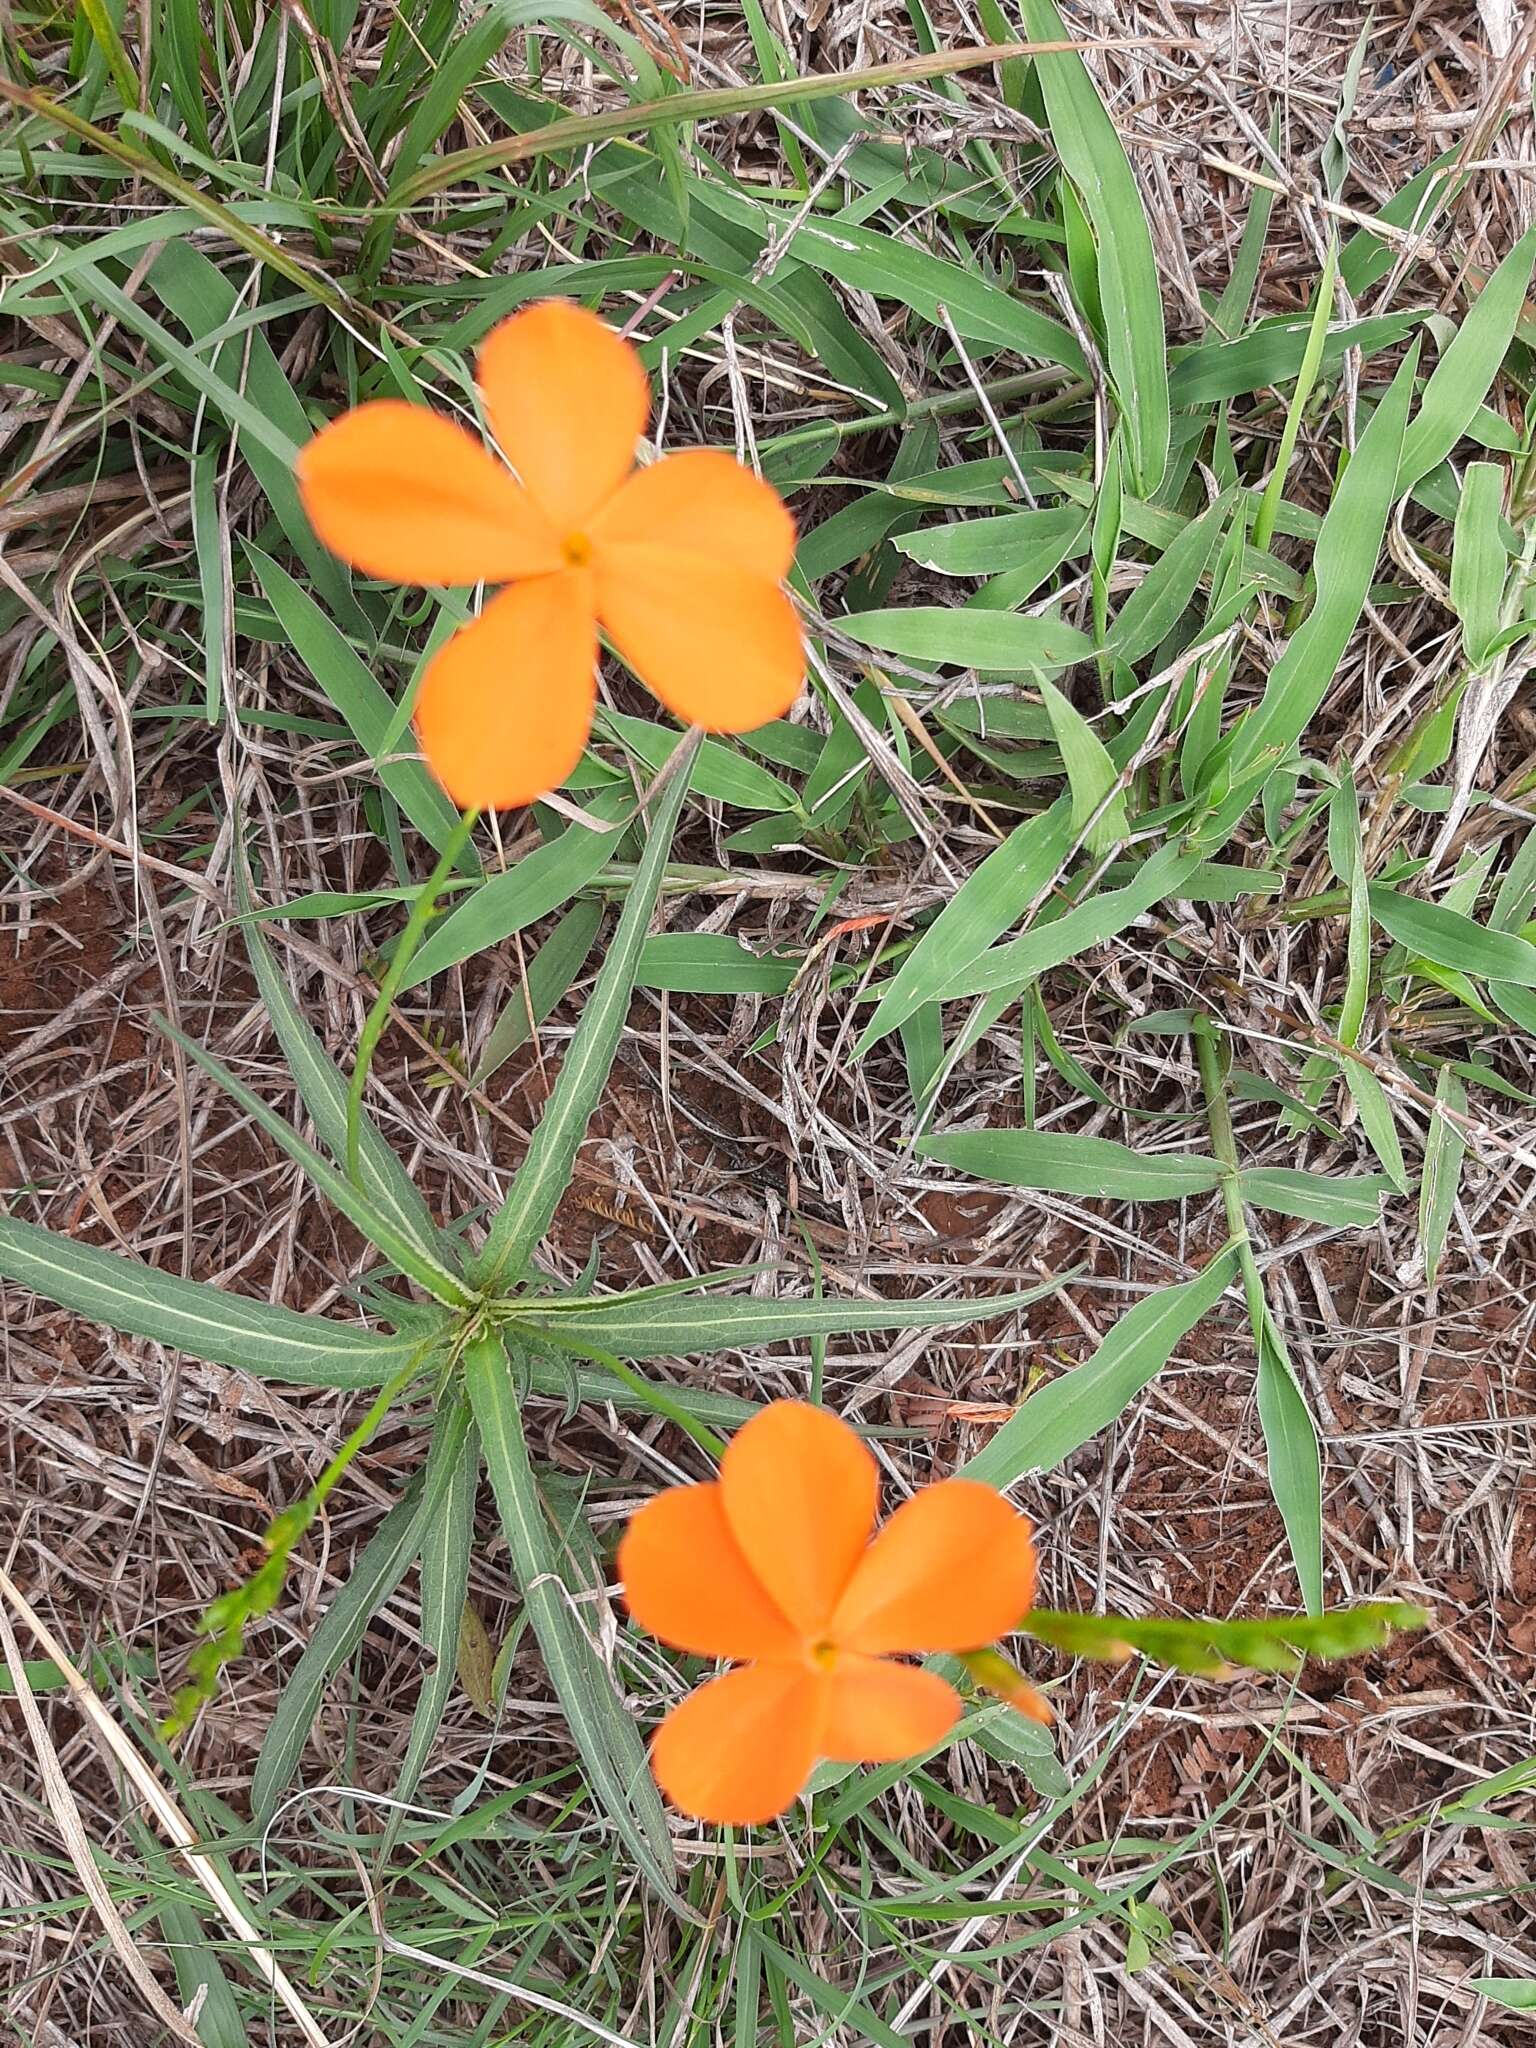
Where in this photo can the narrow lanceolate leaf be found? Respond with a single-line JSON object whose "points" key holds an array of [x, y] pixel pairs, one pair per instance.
{"points": [[528, 890], [1444, 1150], [542, 1178], [1004, 643], [1344, 562], [1055, 1422], [1063, 1163], [198, 1317], [424, 1267], [1349, 1201], [1102, 917], [1093, 157], [1450, 939], [1460, 381], [1479, 561], [676, 1326], [323, 1089], [447, 1544], [985, 905], [363, 702], [1212, 1649], [1295, 1459], [1374, 1106], [1098, 803], [612, 1752]]}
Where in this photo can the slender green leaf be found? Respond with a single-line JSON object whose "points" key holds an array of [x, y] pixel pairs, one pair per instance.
{"points": [[1102, 917], [545, 1173], [1444, 1150], [1515, 1994], [1374, 1107], [980, 911], [1094, 159], [1054, 1422], [647, 1326], [521, 894], [1011, 543], [550, 973], [1348, 1201], [1451, 940], [366, 706], [1007, 643], [1461, 379], [1479, 561], [1063, 1163], [425, 1267], [601, 1727], [1270, 1642], [323, 1089], [196, 1316]]}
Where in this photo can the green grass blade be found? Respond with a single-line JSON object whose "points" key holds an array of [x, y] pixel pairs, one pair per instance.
{"points": [[197, 1317], [1444, 1150], [1094, 159], [1306, 377], [1451, 939], [542, 1178], [1295, 1459], [530, 889], [1347, 1201], [1461, 380], [363, 702], [1098, 803], [447, 1547], [1064, 1163], [603, 1730], [980, 911], [1064, 1415], [1345, 560]]}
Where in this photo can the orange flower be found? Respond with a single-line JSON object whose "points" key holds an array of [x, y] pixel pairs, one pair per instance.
{"points": [[680, 564], [773, 1566]]}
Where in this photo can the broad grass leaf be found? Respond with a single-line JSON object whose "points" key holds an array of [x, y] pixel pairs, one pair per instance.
{"points": [[1002, 643], [981, 910], [1348, 1201], [1479, 561], [1054, 1422], [1294, 1458], [1452, 940], [1064, 1163], [1461, 379], [1098, 804], [1344, 561]]}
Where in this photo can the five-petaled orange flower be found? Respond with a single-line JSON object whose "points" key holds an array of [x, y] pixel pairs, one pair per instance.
{"points": [[774, 1567], [680, 563]]}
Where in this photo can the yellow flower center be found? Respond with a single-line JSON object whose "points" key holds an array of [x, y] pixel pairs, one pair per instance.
{"points": [[577, 550], [822, 1655]]}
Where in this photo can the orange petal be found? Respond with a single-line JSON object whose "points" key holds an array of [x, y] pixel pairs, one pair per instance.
{"points": [[567, 399], [686, 1581], [879, 1712], [953, 1569], [404, 493], [703, 502], [506, 706], [799, 1491], [739, 1749], [719, 645]]}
